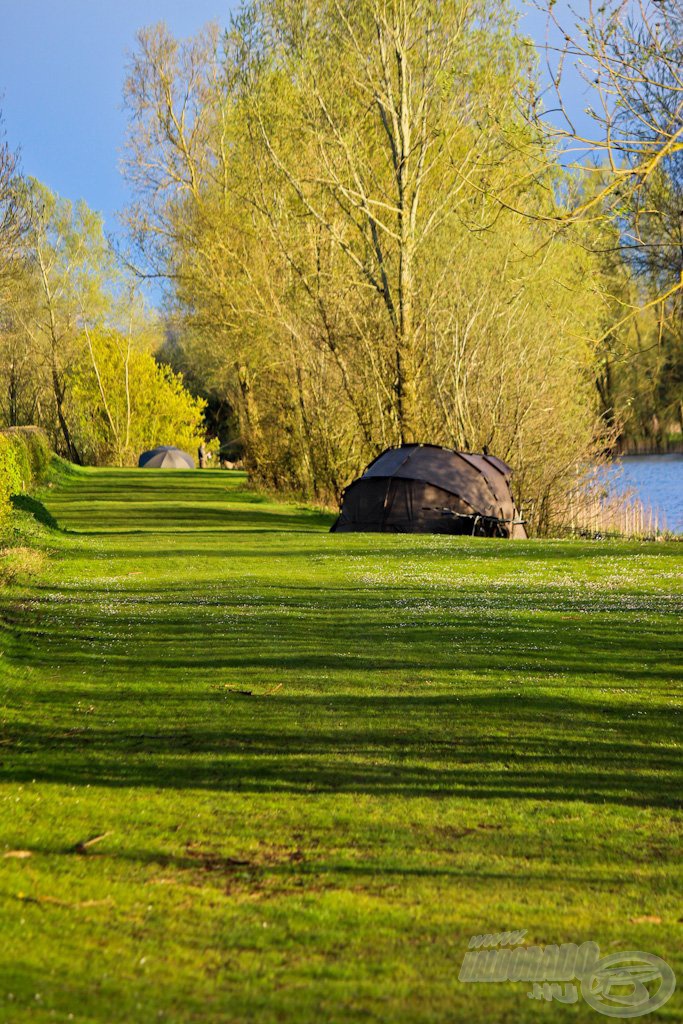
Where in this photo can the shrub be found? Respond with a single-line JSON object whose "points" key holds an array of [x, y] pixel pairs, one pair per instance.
{"points": [[24, 461], [10, 475], [38, 448]]}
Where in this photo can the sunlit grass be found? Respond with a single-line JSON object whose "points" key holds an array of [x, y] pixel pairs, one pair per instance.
{"points": [[319, 763]]}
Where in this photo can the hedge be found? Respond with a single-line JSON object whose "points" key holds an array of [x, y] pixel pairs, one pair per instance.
{"points": [[24, 461]]}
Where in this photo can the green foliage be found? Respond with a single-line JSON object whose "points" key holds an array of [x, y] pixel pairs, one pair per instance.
{"points": [[320, 763], [36, 454], [36, 445], [39, 451], [24, 461], [68, 290], [73, 281], [10, 475], [121, 402], [347, 274]]}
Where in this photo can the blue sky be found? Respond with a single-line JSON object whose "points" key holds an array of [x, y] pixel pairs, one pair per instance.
{"points": [[62, 66]]}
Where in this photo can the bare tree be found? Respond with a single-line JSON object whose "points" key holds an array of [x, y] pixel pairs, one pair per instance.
{"points": [[12, 221], [630, 54]]}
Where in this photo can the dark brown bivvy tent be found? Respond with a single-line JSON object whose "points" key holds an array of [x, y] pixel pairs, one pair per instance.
{"points": [[422, 488]]}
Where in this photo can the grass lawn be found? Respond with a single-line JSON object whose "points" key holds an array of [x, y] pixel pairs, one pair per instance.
{"points": [[320, 763]]}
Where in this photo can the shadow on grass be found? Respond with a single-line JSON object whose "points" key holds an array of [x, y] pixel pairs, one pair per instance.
{"points": [[310, 870], [181, 631], [414, 690], [134, 517], [479, 747], [35, 508]]}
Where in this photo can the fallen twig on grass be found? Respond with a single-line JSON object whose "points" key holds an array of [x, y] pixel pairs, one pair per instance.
{"points": [[85, 844]]}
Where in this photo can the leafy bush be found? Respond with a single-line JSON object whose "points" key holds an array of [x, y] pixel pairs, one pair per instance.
{"points": [[38, 449], [10, 475], [24, 461]]}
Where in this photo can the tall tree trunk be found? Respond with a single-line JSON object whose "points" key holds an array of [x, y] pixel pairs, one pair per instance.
{"points": [[405, 360], [70, 447], [250, 417], [13, 396]]}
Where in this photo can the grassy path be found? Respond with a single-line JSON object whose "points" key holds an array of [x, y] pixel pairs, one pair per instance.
{"points": [[321, 762]]}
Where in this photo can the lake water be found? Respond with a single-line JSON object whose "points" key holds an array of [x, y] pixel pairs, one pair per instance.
{"points": [[657, 480]]}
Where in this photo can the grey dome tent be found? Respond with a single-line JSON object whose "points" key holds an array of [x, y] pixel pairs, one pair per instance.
{"points": [[166, 456], [422, 488]]}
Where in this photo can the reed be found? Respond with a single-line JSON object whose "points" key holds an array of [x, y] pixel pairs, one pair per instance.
{"points": [[592, 513]]}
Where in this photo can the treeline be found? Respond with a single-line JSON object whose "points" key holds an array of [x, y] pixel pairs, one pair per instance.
{"points": [[76, 341], [369, 240], [370, 234]]}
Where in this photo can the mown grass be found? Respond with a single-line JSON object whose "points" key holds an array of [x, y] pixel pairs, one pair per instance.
{"points": [[321, 762]]}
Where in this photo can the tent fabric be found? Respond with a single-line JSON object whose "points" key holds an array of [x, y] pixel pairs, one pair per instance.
{"points": [[166, 457], [428, 489]]}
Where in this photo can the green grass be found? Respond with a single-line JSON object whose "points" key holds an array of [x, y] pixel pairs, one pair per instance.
{"points": [[441, 737]]}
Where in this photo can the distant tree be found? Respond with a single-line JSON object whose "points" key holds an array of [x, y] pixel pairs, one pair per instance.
{"points": [[12, 221], [15, 367], [66, 257], [21, 379], [121, 402], [630, 53], [76, 341]]}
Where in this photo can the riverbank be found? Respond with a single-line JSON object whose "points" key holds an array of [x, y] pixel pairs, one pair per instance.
{"points": [[668, 447]]}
